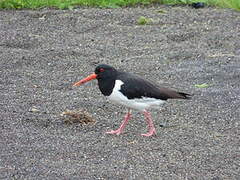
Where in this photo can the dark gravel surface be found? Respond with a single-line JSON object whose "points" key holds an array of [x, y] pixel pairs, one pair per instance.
{"points": [[42, 53]]}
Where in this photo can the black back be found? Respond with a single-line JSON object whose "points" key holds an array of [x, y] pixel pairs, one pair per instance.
{"points": [[136, 87]]}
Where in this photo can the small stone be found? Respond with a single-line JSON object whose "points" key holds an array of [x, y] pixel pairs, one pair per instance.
{"points": [[34, 110], [198, 5]]}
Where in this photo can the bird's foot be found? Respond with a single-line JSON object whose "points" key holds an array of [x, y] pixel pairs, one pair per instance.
{"points": [[117, 132], [150, 133]]}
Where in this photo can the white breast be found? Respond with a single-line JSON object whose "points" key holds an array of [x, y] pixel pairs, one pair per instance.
{"points": [[137, 104]]}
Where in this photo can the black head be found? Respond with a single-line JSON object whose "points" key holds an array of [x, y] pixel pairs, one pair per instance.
{"points": [[105, 71], [106, 76]]}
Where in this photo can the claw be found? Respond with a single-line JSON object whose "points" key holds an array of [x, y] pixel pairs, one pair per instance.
{"points": [[150, 133], [117, 132]]}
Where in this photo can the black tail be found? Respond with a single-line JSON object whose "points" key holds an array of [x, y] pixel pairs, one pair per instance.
{"points": [[185, 95]]}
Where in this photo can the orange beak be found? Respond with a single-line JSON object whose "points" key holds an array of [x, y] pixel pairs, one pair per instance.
{"points": [[89, 78]]}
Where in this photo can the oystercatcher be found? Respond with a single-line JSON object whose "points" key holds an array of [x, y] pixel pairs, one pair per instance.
{"points": [[133, 92]]}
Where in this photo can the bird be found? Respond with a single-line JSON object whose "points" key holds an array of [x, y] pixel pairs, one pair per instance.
{"points": [[133, 92]]}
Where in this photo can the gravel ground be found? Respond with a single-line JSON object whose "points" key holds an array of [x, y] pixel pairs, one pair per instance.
{"points": [[44, 52]]}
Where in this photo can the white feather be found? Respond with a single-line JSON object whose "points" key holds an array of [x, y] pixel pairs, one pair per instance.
{"points": [[137, 104]]}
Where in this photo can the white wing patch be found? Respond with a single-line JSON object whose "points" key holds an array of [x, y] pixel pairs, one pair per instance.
{"points": [[137, 104]]}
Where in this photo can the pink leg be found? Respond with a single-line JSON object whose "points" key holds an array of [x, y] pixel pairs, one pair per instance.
{"points": [[122, 126], [151, 128]]}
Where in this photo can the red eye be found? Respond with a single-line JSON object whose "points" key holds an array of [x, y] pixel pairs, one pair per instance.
{"points": [[101, 70]]}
